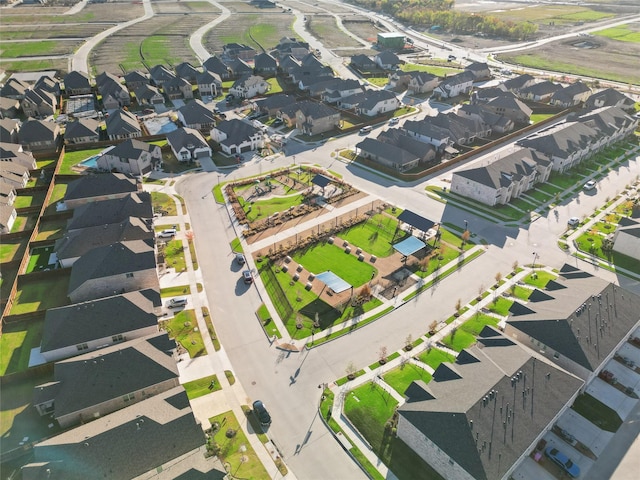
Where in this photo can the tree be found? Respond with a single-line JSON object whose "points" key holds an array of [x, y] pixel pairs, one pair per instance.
{"points": [[351, 370], [408, 342], [515, 266], [480, 291], [458, 306], [382, 354], [465, 237], [498, 277]]}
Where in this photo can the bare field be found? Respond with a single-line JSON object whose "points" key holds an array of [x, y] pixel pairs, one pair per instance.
{"points": [[185, 7], [245, 7], [365, 30], [111, 12], [325, 29], [267, 30], [18, 32], [59, 64]]}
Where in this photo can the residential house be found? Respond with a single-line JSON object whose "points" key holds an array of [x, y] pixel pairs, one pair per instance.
{"points": [[289, 46], [14, 174], [187, 71], [114, 94], [387, 155], [311, 118], [159, 434], [502, 180], [455, 85], [509, 106], [123, 124], [238, 50], [288, 65], [571, 95], [515, 84], [131, 157], [7, 194], [214, 65], [9, 107], [273, 103], [9, 129], [209, 83], [236, 136], [610, 97], [98, 383], [14, 88], [428, 132], [136, 79], [479, 70], [8, 213], [14, 153], [421, 82], [112, 269], [265, 65], [148, 95], [387, 60], [626, 239], [465, 423], [332, 90], [195, 114], [49, 84], [97, 187], [310, 60], [78, 242], [484, 95], [540, 92], [160, 75], [378, 102], [462, 130], [82, 130], [39, 135], [39, 103], [239, 68], [304, 76], [178, 88], [578, 321], [425, 152], [399, 79], [249, 86], [77, 83], [188, 145], [497, 123], [363, 63], [612, 122], [107, 212]]}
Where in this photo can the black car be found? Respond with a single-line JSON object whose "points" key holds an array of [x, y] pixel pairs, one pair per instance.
{"points": [[261, 412]]}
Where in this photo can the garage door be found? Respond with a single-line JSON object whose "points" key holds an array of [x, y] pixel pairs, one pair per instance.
{"points": [[246, 148], [202, 154]]}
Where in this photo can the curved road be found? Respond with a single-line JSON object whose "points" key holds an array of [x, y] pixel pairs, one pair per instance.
{"points": [[196, 39]]}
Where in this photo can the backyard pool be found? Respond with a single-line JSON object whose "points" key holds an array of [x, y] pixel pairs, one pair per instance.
{"points": [[160, 125], [91, 162]]}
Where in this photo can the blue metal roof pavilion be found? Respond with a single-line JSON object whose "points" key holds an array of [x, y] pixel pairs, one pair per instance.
{"points": [[333, 281], [409, 246]]}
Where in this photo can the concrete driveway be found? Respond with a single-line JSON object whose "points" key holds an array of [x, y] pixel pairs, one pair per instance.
{"points": [[584, 431], [612, 397], [629, 351]]}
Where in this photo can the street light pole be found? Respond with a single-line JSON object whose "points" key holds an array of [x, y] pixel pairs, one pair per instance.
{"points": [[535, 256], [466, 226]]}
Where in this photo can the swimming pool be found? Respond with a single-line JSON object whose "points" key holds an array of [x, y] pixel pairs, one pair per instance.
{"points": [[91, 162]]}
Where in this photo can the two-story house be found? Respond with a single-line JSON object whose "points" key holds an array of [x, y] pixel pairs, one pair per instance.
{"points": [[249, 86], [188, 145], [131, 157], [236, 136]]}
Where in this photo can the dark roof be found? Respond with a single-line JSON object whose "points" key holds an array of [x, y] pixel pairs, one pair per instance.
{"points": [[276, 101], [236, 131], [208, 77], [82, 127], [607, 120], [314, 110], [387, 57], [195, 112], [136, 76], [584, 321], [502, 172], [186, 70], [418, 221], [132, 148], [215, 65], [76, 79], [146, 92], [518, 82], [388, 151], [33, 130], [473, 402], [96, 185], [397, 137], [426, 128], [160, 73], [561, 140], [186, 137], [373, 97], [115, 259], [127, 443], [14, 88], [122, 122], [264, 60], [541, 88], [105, 317], [320, 180], [609, 97], [116, 210]]}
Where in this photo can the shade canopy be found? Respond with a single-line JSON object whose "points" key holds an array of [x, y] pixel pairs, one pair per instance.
{"points": [[333, 281], [320, 180], [417, 221], [409, 246]]}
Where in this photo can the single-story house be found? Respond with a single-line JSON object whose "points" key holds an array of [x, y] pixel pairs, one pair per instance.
{"points": [[117, 210], [39, 135], [77, 83], [236, 136], [195, 114], [82, 130], [97, 187], [188, 145]]}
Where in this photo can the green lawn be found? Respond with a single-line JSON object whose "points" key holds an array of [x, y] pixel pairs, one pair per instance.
{"points": [[500, 306], [265, 208], [477, 322], [162, 201], [597, 412], [30, 200], [39, 259], [401, 377], [521, 292], [459, 340], [16, 343], [175, 291], [71, 159], [236, 246], [276, 87], [59, 190], [41, 295], [12, 250], [32, 49], [378, 81], [183, 327], [374, 235], [439, 71], [622, 33], [434, 357], [540, 279], [202, 386], [243, 464], [320, 258], [538, 117], [174, 255], [51, 229]]}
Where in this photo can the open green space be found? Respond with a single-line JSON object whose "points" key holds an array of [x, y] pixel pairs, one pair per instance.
{"points": [[521, 292], [539, 278], [538, 117], [39, 259], [59, 190], [267, 321], [597, 412], [157, 49], [202, 386], [459, 339], [434, 357], [162, 202], [371, 415], [260, 209], [477, 322], [621, 33], [175, 291], [71, 159], [41, 294], [31, 199], [559, 14], [16, 343], [439, 71], [174, 255], [401, 377], [184, 328], [500, 306], [242, 464], [375, 235], [12, 250], [39, 48], [51, 229]]}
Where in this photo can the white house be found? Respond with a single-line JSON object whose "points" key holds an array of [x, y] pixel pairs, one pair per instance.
{"points": [[188, 145], [236, 136], [249, 86]]}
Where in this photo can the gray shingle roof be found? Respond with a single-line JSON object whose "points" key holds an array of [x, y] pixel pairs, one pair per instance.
{"points": [[183, 137], [387, 151], [397, 137], [105, 317], [89, 186], [236, 130], [106, 212], [373, 97], [82, 127], [132, 148], [76, 79], [498, 174], [561, 140], [196, 112], [122, 122], [33, 130]]}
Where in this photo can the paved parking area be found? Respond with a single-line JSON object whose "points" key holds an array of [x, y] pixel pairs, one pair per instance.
{"points": [[623, 374], [611, 397], [629, 351], [584, 431]]}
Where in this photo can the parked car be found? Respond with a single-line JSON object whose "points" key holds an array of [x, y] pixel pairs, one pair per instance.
{"points": [[277, 122], [590, 185], [563, 461], [240, 259], [451, 58], [573, 222], [247, 276], [394, 121], [261, 412], [365, 130], [168, 233], [177, 302]]}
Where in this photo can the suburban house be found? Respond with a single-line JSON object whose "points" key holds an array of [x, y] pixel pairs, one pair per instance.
{"points": [[156, 434], [236, 136], [114, 94], [148, 95], [288, 46], [427, 132], [540, 92], [264, 64], [399, 79], [188, 145], [76, 243], [378, 102], [387, 155], [132, 157], [239, 68], [458, 84], [570, 95], [98, 383], [288, 64], [195, 114], [39, 135], [504, 179], [135, 79], [421, 82], [97, 187], [626, 239], [209, 83], [160, 75], [610, 97], [77, 83], [387, 60], [14, 88], [187, 71], [463, 130], [272, 104], [178, 88], [39, 103], [514, 85], [578, 321], [87, 326], [117, 268], [9, 107], [48, 83], [214, 65], [479, 70], [497, 123], [363, 63], [310, 117], [82, 130], [303, 76], [14, 174], [465, 422], [238, 50], [13, 152], [425, 152], [8, 213], [106, 212], [249, 86], [123, 124], [7, 194], [509, 106], [484, 95], [332, 90]]}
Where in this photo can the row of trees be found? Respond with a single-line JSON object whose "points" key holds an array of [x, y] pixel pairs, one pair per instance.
{"points": [[438, 12]]}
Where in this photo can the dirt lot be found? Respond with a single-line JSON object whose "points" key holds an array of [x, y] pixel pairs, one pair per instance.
{"points": [[361, 27], [104, 12], [325, 28]]}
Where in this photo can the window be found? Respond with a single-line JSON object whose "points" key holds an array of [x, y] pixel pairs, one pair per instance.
{"points": [[117, 338], [82, 346], [128, 397]]}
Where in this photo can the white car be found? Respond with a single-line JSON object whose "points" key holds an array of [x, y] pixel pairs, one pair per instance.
{"points": [[573, 222], [168, 233], [590, 185], [393, 121]]}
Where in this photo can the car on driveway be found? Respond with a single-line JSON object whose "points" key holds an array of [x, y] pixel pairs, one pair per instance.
{"points": [[573, 222], [590, 185], [168, 233], [261, 412], [247, 276], [563, 461]]}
